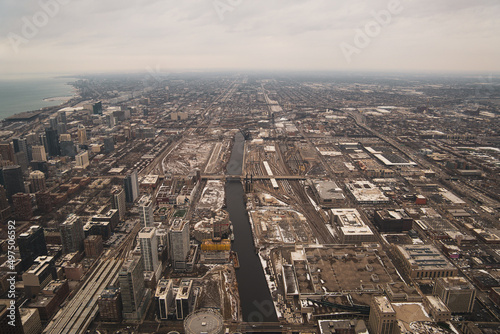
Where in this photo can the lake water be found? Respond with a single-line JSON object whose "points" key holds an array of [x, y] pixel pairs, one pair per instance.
{"points": [[20, 95]]}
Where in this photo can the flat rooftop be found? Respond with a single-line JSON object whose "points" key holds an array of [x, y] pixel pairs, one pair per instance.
{"points": [[328, 190], [424, 257], [366, 192], [456, 283], [383, 304]]}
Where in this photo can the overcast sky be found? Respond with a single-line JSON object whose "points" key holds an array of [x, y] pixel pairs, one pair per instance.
{"points": [[86, 36]]}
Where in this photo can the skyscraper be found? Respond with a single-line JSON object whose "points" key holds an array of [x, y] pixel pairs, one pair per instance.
{"points": [[134, 294], [164, 297], [11, 177], [109, 144], [97, 108], [146, 211], [183, 299], [53, 122], [118, 201], [52, 142], [20, 145], [82, 135], [6, 152], [68, 148], [37, 180], [179, 243], [5, 211], [21, 202], [131, 186], [21, 155], [31, 245], [149, 248], [72, 234]]}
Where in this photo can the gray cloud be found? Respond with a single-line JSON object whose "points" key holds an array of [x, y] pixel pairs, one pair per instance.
{"points": [[112, 35]]}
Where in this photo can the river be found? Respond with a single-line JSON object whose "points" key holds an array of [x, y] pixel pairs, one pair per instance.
{"points": [[255, 298]]}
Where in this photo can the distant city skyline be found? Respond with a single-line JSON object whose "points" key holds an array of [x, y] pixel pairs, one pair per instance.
{"points": [[71, 37]]}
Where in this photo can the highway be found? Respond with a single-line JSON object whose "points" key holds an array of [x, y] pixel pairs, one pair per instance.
{"points": [[77, 314]]}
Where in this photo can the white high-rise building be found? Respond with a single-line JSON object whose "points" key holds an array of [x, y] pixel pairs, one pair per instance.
{"points": [[149, 248], [118, 201], [164, 295], [179, 243], [82, 159], [146, 211]]}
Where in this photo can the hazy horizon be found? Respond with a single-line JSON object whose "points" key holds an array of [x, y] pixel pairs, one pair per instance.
{"points": [[67, 37]]}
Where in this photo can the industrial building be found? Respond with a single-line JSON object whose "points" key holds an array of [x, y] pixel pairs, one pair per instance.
{"points": [[347, 326], [350, 225], [395, 220], [328, 193], [365, 192], [424, 262]]}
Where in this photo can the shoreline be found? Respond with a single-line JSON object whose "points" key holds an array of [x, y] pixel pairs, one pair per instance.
{"points": [[58, 102], [58, 98]]}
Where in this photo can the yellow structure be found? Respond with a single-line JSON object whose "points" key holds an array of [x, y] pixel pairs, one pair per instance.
{"points": [[210, 245]]}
